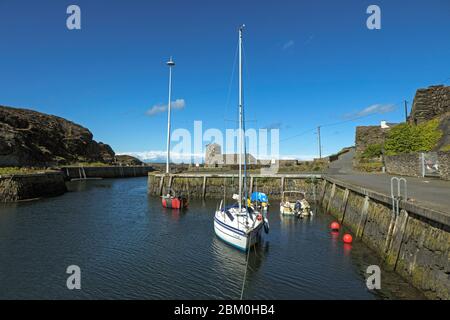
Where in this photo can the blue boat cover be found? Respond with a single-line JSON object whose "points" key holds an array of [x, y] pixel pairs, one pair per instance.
{"points": [[259, 196]]}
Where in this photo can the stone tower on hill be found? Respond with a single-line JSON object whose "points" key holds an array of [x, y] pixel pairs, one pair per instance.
{"points": [[430, 103]]}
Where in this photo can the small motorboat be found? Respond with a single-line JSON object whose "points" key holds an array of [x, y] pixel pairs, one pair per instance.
{"points": [[172, 201], [294, 203]]}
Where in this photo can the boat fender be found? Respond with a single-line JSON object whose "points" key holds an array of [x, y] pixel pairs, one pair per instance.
{"points": [[259, 217]]}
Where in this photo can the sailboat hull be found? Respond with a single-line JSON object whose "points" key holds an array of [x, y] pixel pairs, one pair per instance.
{"points": [[235, 237]]}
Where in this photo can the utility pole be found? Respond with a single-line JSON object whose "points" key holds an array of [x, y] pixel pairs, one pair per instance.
{"points": [[171, 64], [406, 111], [320, 144]]}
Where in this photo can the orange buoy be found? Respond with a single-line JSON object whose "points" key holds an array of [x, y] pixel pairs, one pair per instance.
{"points": [[348, 238], [335, 226]]}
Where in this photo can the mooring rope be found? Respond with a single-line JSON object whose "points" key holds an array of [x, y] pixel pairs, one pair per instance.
{"points": [[246, 266]]}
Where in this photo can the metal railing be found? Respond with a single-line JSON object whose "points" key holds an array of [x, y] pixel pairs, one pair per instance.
{"points": [[396, 198]]}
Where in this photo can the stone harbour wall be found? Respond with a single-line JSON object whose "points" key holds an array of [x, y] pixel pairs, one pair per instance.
{"points": [[106, 172], [31, 186], [217, 187], [415, 243]]}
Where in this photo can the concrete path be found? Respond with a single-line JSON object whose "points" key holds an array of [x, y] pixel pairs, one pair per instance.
{"points": [[343, 165], [429, 192]]}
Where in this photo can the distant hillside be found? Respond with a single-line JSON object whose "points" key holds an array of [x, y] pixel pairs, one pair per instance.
{"points": [[30, 138], [127, 160]]}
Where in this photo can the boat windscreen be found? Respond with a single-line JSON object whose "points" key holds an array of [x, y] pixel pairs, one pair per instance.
{"points": [[229, 215]]}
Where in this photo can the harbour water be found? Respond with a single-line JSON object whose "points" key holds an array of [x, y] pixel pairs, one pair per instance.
{"points": [[128, 247]]}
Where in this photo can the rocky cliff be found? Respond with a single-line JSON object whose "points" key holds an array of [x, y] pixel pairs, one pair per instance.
{"points": [[30, 138]]}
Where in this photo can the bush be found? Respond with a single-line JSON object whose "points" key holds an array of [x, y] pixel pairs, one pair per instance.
{"points": [[406, 138], [445, 148], [372, 151]]}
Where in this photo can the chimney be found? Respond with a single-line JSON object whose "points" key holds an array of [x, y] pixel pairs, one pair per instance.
{"points": [[384, 125]]}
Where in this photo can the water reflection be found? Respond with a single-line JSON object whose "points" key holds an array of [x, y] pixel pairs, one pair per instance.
{"points": [[87, 185], [347, 249], [231, 264], [174, 214], [335, 239], [130, 247]]}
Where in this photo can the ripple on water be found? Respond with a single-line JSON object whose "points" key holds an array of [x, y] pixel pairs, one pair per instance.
{"points": [[129, 247]]}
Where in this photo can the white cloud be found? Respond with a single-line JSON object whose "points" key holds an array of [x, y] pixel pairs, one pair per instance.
{"points": [[160, 156], [274, 125], [288, 44], [373, 109], [300, 157], [159, 108], [186, 157]]}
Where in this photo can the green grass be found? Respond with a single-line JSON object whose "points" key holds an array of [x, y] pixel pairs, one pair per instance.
{"points": [[445, 148], [313, 166], [21, 170], [89, 164]]}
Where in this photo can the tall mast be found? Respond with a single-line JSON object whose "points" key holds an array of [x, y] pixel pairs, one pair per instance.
{"points": [[171, 64], [241, 107]]}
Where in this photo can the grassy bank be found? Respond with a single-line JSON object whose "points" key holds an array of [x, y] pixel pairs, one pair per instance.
{"points": [[33, 170], [21, 170]]}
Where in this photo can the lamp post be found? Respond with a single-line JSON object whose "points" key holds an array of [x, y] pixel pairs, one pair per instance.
{"points": [[171, 64]]}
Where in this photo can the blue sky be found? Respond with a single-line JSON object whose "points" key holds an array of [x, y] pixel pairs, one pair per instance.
{"points": [[308, 63]]}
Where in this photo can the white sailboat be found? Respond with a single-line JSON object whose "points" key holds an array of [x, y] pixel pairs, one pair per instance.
{"points": [[239, 225]]}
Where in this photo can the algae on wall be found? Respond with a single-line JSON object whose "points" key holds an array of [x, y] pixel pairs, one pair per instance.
{"points": [[377, 226], [424, 257], [414, 246], [25, 187], [220, 187], [269, 186]]}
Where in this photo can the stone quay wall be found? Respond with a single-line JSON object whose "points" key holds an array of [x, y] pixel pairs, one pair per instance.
{"points": [[415, 243], [216, 186], [31, 186], [106, 172]]}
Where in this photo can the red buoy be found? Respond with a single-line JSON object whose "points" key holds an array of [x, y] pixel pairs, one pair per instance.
{"points": [[335, 226], [348, 238]]}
